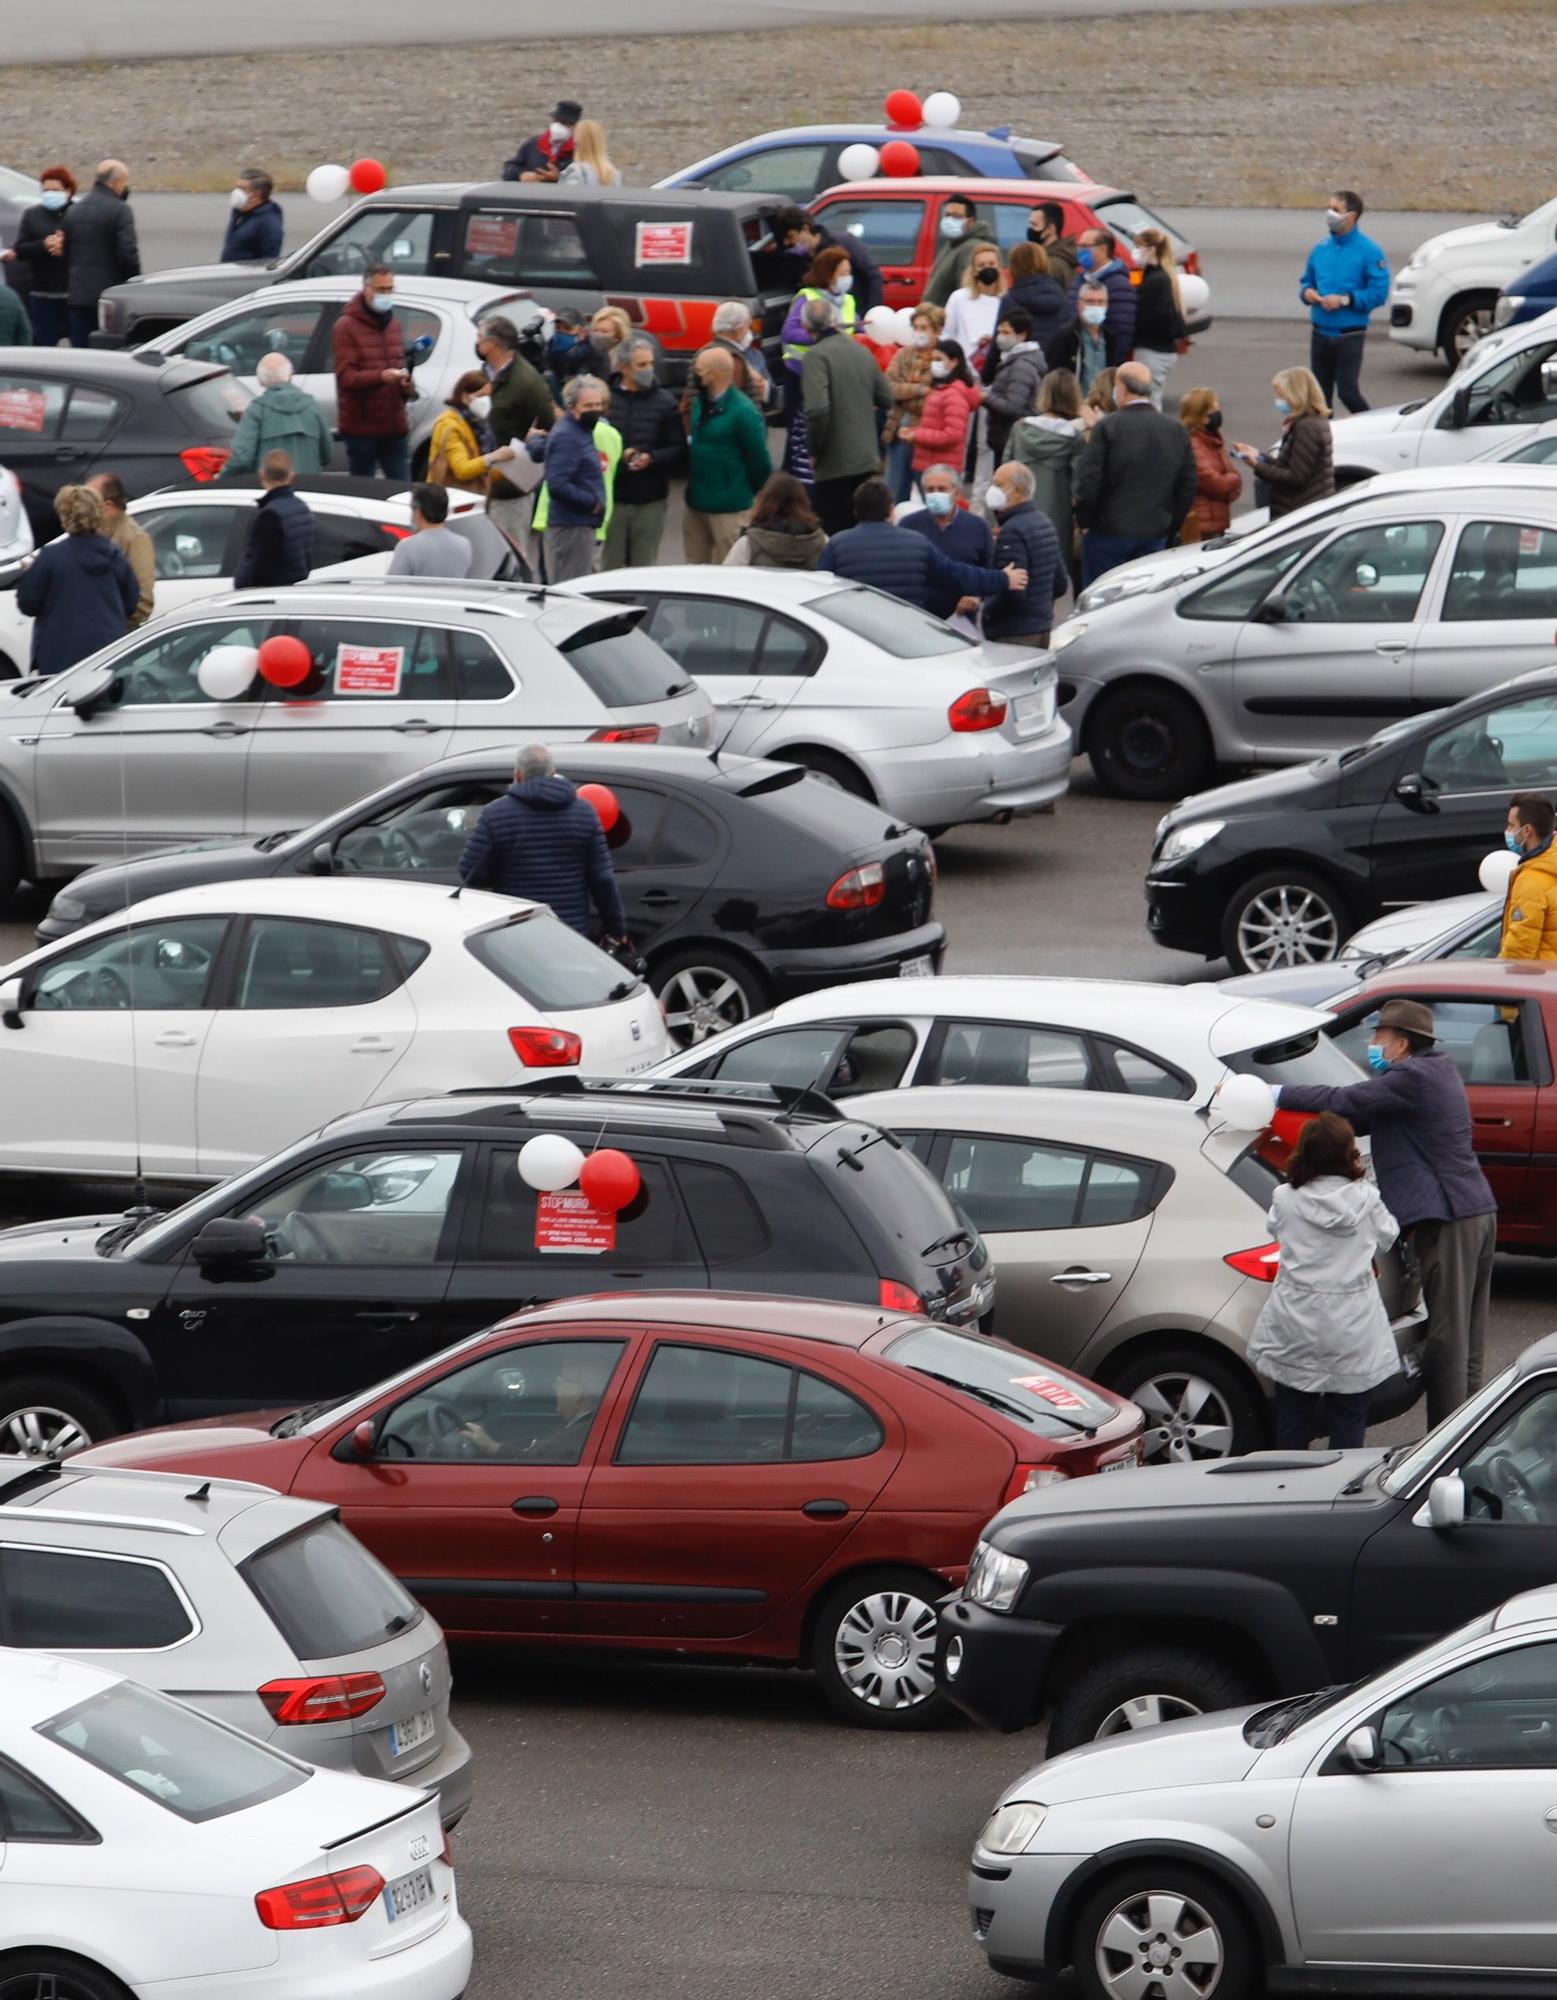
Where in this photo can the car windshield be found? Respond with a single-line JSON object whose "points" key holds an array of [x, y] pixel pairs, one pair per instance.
{"points": [[1024, 1390], [154, 1233], [900, 629], [1458, 1424]]}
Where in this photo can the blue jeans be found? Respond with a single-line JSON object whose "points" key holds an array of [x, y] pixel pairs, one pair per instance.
{"points": [[900, 467], [1336, 362], [50, 321], [1104, 552], [1301, 1414], [365, 456]]}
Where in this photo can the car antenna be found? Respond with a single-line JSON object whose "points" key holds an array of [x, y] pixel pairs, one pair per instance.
{"points": [[202, 1494]]}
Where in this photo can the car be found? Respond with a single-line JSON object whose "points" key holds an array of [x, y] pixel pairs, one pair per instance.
{"points": [[1315, 633], [1450, 927], [743, 881], [125, 751], [194, 1034], [802, 160], [375, 1241], [860, 687], [155, 1851], [1132, 1244], [16, 536], [1529, 295], [261, 1610], [1443, 298], [67, 412], [1109, 1608], [662, 1445], [1408, 1858], [1280, 869]]}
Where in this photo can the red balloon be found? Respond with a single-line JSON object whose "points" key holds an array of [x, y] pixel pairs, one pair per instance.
{"points": [[610, 1179], [285, 662], [903, 108], [899, 159], [367, 176], [608, 808]]}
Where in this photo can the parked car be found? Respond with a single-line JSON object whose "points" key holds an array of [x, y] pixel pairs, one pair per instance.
{"points": [[262, 1611], [1132, 1244], [125, 752], [742, 881], [1315, 633], [151, 1848], [67, 412], [1450, 927], [253, 1010], [1443, 297], [1530, 294], [673, 1439], [16, 536], [802, 160], [1143, 1856], [374, 1242], [873, 693], [1279, 870]]}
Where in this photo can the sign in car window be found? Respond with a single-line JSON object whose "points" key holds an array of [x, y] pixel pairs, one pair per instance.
{"points": [[570, 1221], [368, 669], [23, 410], [663, 243], [492, 236]]}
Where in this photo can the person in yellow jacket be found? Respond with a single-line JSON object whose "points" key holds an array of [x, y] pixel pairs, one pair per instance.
{"points": [[1530, 907], [454, 454]]}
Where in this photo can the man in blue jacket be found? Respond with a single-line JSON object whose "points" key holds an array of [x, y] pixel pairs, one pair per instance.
{"points": [[540, 840], [1344, 282], [254, 229], [575, 479], [902, 563]]}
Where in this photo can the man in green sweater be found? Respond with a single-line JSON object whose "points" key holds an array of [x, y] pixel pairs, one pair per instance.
{"points": [[846, 401], [729, 460]]}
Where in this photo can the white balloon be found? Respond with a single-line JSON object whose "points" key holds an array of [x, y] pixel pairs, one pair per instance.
{"points": [[881, 324], [1245, 1103], [905, 325], [1495, 870], [1194, 294], [227, 672], [858, 162], [942, 109], [327, 183], [549, 1162]]}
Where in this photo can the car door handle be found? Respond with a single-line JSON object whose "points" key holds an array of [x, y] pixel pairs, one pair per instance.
{"points": [[535, 1503], [174, 1040], [1391, 648], [387, 1316], [372, 1045], [417, 726], [659, 897], [825, 1510], [750, 701], [1488, 1119], [1081, 1278], [225, 729]]}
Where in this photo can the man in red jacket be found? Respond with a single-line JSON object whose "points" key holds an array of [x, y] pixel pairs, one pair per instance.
{"points": [[372, 382]]}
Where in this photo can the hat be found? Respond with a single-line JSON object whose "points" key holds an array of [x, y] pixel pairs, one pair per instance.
{"points": [[1409, 1016], [567, 112]]}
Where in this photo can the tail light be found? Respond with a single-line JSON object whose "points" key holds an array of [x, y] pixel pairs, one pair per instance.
{"points": [[323, 1697], [204, 461], [893, 1297], [861, 888], [979, 708], [1261, 1262], [393, 534], [1032, 1479], [640, 732], [320, 1901], [447, 1856], [545, 1048]]}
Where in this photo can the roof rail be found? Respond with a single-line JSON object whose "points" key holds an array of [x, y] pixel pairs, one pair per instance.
{"points": [[792, 1099]]}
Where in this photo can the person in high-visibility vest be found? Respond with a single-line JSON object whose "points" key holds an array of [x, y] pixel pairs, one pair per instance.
{"points": [[580, 453], [831, 276]]}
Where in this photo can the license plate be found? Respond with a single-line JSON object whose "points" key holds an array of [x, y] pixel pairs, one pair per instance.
{"points": [[408, 1893], [1130, 1464], [916, 968], [1032, 711], [412, 1733]]}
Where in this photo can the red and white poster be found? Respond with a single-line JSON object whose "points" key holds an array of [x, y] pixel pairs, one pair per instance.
{"points": [[664, 243], [23, 409], [570, 1221], [1045, 1386], [368, 669], [491, 235]]}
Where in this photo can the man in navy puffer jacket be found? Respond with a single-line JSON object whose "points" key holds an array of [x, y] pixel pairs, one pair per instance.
{"points": [[540, 840], [902, 563]]}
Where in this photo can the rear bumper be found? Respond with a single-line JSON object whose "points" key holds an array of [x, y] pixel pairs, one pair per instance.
{"points": [[998, 1663], [435, 1968], [982, 776], [796, 972], [451, 1775]]}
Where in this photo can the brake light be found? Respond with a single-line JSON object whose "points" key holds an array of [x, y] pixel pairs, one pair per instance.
{"points": [[979, 708], [322, 1697], [545, 1048], [447, 1856], [394, 534], [640, 732], [1260, 1262], [204, 461], [320, 1901], [861, 888], [1032, 1479], [898, 1298]]}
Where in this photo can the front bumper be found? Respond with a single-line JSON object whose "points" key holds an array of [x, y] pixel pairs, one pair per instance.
{"points": [[1011, 1898], [1000, 1663], [796, 972], [1413, 318], [1183, 913], [963, 779]]}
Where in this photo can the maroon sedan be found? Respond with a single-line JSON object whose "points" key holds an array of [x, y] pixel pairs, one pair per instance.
{"points": [[729, 1476]]}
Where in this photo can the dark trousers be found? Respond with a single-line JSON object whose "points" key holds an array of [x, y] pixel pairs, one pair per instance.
{"points": [[1456, 1260], [50, 320], [1105, 552], [833, 500], [1336, 360], [82, 321], [1301, 1414], [365, 456]]}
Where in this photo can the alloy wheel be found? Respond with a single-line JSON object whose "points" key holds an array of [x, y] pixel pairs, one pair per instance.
{"points": [[1145, 1711], [1157, 1944], [41, 1433], [1187, 1418], [1468, 328], [702, 1000], [1287, 924], [885, 1649]]}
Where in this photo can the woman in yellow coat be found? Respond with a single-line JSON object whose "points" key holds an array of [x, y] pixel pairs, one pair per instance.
{"points": [[455, 452]]}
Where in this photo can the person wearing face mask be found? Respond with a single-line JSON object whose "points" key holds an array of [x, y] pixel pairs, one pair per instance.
{"points": [[372, 382], [521, 403], [1218, 482], [1301, 467], [432, 549], [39, 269], [908, 377], [829, 279], [733, 331], [804, 237], [845, 403], [100, 245], [571, 515], [1099, 263], [256, 224], [463, 451], [1160, 324], [974, 308], [1025, 544], [1049, 444], [1530, 906], [1344, 282], [728, 460], [654, 449], [960, 228], [282, 417], [945, 425], [1046, 229], [1017, 367], [947, 520], [544, 157], [885, 557]]}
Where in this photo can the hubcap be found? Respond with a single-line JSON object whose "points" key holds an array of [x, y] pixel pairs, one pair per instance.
{"points": [[885, 1650], [1469, 329], [1159, 1944], [1144, 1711], [1147, 745], [700, 1001], [1287, 925], [1186, 1419], [41, 1433]]}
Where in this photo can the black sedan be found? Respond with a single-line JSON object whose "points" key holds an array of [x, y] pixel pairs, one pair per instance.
{"points": [[1278, 870], [745, 882], [67, 413]]}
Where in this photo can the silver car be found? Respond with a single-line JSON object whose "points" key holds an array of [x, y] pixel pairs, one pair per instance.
{"points": [[125, 752], [1394, 1836], [1317, 631]]}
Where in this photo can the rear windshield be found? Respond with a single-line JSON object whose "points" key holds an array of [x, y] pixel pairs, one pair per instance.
{"points": [[327, 1595], [897, 628], [624, 668], [182, 1761], [1255, 1177], [1041, 166], [1028, 1392], [1311, 1058], [213, 405], [1127, 218], [903, 1199], [550, 965]]}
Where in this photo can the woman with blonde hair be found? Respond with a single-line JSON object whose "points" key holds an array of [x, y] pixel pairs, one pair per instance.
{"points": [[1099, 401], [1218, 482], [462, 451], [1301, 468], [591, 164], [909, 379], [1159, 309], [974, 308], [80, 592]]}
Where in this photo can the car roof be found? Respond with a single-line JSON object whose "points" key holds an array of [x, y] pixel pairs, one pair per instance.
{"points": [[1519, 977], [1481, 474], [448, 291], [668, 761], [929, 134], [1087, 193], [545, 194], [69, 1492], [1158, 1126], [361, 899], [740, 1312], [764, 586], [370, 595], [386, 492], [777, 1118], [110, 365], [35, 1686]]}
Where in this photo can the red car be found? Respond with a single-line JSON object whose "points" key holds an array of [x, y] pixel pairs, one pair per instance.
{"points": [[724, 1475]]}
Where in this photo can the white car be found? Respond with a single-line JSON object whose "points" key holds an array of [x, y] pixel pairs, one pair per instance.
{"points": [[16, 539], [1468, 926], [201, 1031], [153, 1852], [1444, 296], [869, 691]]}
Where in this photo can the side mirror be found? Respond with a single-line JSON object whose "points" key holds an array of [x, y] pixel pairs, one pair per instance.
{"points": [[1446, 1501], [229, 1241], [1416, 792], [1457, 416], [1363, 1750], [1549, 380], [364, 1441], [322, 860], [94, 693], [1273, 611], [11, 1002]]}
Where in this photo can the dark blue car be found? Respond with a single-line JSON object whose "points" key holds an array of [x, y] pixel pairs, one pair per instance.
{"points": [[1529, 295], [800, 162]]}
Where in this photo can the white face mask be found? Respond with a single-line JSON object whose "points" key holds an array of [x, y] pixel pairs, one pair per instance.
{"points": [[382, 302], [952, 226], [559, 132], [480, 406], [239, 197], [995, 499], [746, 340], [917, 339], [940, 370]]}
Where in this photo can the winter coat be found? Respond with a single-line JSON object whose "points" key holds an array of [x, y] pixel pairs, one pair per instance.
{"points": [[1049, 447], [607, 440], [1530, 908], [279, 547], [869, 287], [540, 155], [965, 538], [1424, 1155], [134, 544], [521, 402], [1012, 391], [1159, 325], [952, 260], [751, 375], [100, 237], [364, 344], [79, 593], [909, 379], [38, 270], [1061, 254], [466, 467], [540, 840], [1352, 267], [777, 548], [1324, 1327], [728, 454], [1025, 536], [941, 434], [15, 325], [1218, 482], [1044, 301], [254, 236], [796, 337], [575, 478], [1119, 327], [1300, 469], [1136, 476], [285, 418], [649, 421], [904, 565], [846, 402]]}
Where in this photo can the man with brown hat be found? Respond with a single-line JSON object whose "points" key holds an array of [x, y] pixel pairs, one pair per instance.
{"points": [[1424, 1159]]}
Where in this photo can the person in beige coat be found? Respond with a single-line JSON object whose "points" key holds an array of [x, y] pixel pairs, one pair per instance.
{"points": [[128, 535]]}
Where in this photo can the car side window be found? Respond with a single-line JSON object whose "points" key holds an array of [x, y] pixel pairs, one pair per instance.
{"points": [[651, 1231], [344, 537], [1483, 943], [1502, 570], [1497, 1714], [1509, 748], [91, 414], [189, 542], [425, 832], [388, 1206], [530, 1405], [68, 1600], [286, 962], [1017, 1184], [792, 171], [888, 229], [1233, 598], [1511, 1476], [156, 966], [708, 636], [1485, 1038], [686, 838], [400, 238], [1142, 1076], [479, 672], [552, 252], [709, 1406], [789, 649], [366, 660], [729, 1223], [163, 670], [242, 341], [1515, 388], [1371, 575], [29, 408], [31, 1813], [795, 1056], [996, 1052]]}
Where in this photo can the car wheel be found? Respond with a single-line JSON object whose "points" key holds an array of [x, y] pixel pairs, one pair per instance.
{"points": [[1464, 321], [1285, 917], [50, 1416], [1137, 1688], [1161, 1928], [873, 1648], [705, 991], [1149, 742], [832, 769], [50, 1975], [1196, 1405]]}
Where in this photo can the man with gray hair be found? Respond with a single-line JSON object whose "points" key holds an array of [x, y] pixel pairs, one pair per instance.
{"points": [[733, 332], [541, 841], [100, 244], [575, 490], [1024, 537], [846, 401], [282, 417], [1136, 479]]}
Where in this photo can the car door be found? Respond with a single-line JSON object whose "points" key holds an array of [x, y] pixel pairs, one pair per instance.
{"points": [[101, 1075], [32, 409], [196, 545], [733, 1480], [1327, 658], [892, 228], [837, 1057], [1512, 396], [1495, 617]]}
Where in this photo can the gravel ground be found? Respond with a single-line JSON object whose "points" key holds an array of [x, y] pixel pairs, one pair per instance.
{"points": [[1264, 109]]}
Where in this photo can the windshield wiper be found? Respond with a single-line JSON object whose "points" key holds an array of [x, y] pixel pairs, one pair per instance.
{"points": [[269, 842], [127, 1229], [1360, 1480], [997, 1402], [945, 1242], [294, 1420]]}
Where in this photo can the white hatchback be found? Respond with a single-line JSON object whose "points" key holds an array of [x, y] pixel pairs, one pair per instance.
{"points": [[150, 1851], [201, 1031]]}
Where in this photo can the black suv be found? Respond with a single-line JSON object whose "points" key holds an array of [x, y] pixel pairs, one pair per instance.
{"points": [[1112, 1604], [390, 1233]]}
